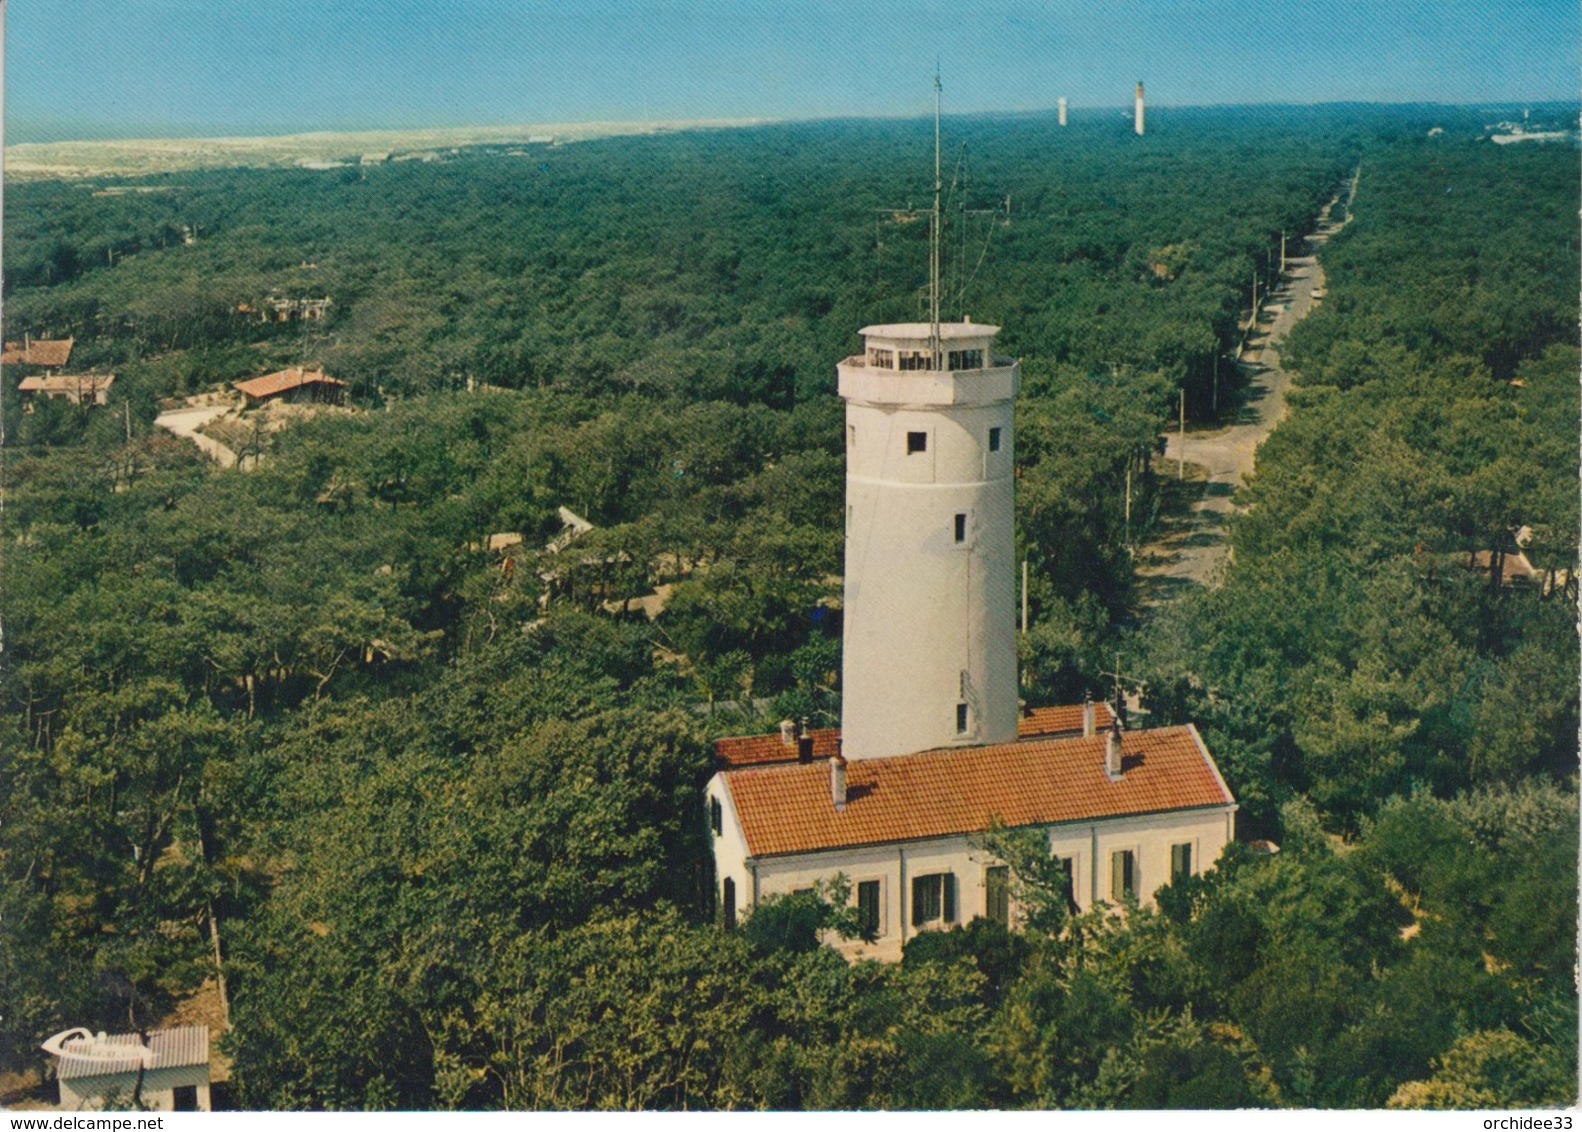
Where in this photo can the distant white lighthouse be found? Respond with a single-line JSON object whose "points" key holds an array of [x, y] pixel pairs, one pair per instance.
{"points": [[1139, 123], [929, 657], [1062, 105]]}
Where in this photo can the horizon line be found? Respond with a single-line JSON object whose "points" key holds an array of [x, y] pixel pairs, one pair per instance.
{"points": [[746, 122]]}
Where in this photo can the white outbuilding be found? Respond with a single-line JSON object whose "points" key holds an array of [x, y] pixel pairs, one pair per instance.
{"points": [[167, 1073]]}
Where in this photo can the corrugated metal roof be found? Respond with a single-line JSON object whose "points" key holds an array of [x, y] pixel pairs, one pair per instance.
{"points": [[787, 809], [180, 1045]]}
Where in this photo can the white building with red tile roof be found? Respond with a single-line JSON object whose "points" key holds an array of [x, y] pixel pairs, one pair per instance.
{"points": [[1128, 812], [932, 752]]}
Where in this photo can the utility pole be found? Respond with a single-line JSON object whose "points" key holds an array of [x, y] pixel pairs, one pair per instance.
{"points": [[1181, 447], [1129, 461], [1024, 595]]}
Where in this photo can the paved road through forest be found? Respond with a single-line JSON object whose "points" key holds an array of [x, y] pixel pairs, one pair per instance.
{"points": [[1190, 549]]}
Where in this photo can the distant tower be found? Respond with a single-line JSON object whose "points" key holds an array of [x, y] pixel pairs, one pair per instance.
{"points": [[1139, 125], [1062, 111], [929, 655]]}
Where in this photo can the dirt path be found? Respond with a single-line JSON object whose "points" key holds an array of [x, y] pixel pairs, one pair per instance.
{"points": [[185, 422], [1190, 549]]}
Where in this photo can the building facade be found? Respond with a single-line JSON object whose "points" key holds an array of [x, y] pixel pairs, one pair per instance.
{"points": [[934, 750]]}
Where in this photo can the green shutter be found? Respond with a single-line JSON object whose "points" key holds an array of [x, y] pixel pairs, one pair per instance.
{"points": [[997, 895], [949, 884]]}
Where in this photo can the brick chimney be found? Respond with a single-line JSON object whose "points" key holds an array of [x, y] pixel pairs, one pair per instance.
{"points": [[788, 732], [837, 780], [1112, 751], [1087, 715], [804, 741]]}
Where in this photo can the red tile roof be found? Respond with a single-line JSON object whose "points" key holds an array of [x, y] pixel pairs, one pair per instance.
{"points": [[38, 352], [762, 750], [287, 379], [787, 809], [766, 750], [1063, 719]]}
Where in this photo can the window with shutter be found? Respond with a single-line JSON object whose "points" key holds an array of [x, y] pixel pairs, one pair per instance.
{"points": [[997, 894], [1123, 874], [868, 912]]}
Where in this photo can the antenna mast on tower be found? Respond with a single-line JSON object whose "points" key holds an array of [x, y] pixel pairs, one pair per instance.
{"points": [[935, 235]]}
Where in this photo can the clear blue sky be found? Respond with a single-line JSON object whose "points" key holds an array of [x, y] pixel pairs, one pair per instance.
{"points": [[87, 68]]}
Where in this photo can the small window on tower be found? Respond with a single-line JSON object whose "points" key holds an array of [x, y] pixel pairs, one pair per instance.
{"points": [[961, 527], [994, 440], [716, 817], [916, 442], [961, 719], [851, 436]]}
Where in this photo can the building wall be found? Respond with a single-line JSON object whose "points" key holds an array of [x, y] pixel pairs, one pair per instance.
{"points": [[1150, 838], [730, 852], [929, 621], [157, 1094]]}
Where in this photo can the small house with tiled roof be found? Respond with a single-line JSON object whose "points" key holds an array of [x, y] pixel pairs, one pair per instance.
{"points": [[78, 388], [46, 353], [932, 751], [295, 384]]}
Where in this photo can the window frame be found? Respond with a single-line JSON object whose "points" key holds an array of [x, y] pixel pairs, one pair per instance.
{"points": [[1130, 875], [916, 442], [994, 438], [728, 903], [1181, 854], [716, 816], [959, 529], [933, 899], [875, 921]]}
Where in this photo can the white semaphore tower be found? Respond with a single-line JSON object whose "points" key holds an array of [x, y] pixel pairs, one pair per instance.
{"points": [[929, 652], [929, 648]]}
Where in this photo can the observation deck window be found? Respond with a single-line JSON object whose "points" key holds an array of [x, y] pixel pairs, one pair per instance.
{"points": [[916, 360], [881, 359], [966, 359]]}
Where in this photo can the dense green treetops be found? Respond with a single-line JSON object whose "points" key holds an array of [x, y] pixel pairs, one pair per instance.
{"points": [[435, 806]]}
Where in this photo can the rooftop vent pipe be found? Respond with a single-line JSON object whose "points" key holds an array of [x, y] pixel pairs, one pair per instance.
{"points": [[787, 732], [1088, 714], [804, 742], [837, 781]]}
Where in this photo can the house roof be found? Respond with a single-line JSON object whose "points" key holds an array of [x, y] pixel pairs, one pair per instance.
{"points": [[284, 380], [767, 750], [52, 352], [181, 1045], [944, 793], [67, 382]]}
